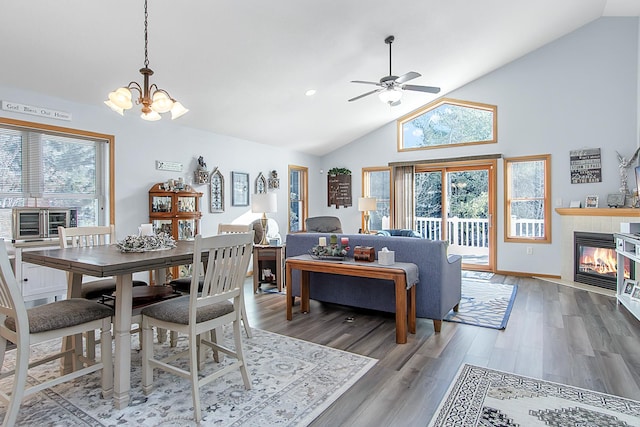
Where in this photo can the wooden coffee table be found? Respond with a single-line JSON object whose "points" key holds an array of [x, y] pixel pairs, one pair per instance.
{"points": [[405, 298]]}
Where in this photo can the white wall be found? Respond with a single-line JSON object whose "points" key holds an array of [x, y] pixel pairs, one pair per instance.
{"points": [[577, 92], [138, 144]]}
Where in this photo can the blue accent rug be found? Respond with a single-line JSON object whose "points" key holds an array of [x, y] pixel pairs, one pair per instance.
{"points": [[484, 304]]}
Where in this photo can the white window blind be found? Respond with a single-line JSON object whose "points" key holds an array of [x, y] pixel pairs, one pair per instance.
{"points": [[47, 169]]}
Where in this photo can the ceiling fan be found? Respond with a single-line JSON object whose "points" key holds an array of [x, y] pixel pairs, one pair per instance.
{"points": [[391, 86]]}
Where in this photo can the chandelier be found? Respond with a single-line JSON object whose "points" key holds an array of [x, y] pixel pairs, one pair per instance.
{"points": [[153, 99]]}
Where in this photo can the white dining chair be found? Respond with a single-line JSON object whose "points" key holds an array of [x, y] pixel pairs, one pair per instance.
{"points": [[183, 284], [201, 315], [86, 237], [58, 319]]}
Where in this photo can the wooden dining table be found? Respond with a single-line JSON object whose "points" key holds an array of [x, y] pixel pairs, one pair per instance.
{"points": [[107, 261]]}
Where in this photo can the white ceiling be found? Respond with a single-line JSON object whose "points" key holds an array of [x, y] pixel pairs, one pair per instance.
{"points": [[242, 67]]}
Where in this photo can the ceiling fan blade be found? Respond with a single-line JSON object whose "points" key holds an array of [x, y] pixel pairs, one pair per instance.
{"points": [[365, 82], [406, 77], [429, 89], [364, 94]]}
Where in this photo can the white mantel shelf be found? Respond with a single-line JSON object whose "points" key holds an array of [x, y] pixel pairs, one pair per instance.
{"points": [[599, 211]]}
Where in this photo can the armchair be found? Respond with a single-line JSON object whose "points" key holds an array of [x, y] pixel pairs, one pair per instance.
{"points": [[323, 224]]}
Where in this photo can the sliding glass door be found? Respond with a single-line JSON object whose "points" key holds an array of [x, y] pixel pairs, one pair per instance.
{"points": [[456, 203]]}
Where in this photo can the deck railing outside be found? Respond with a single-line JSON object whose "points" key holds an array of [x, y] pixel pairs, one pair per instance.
{"points": [[474, 232]]}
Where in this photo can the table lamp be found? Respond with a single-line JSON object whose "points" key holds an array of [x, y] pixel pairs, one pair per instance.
{"points": [[263, 203], [366, 204]]}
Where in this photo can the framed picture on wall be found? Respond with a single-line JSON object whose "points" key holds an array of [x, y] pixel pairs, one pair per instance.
{"points": [[591, 202], [239, 189], [216, 187]]}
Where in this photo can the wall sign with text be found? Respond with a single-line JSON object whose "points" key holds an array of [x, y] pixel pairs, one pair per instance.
{"points": [[339, 190], [585, 166]]}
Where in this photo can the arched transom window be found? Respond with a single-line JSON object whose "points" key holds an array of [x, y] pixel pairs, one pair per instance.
{"points": [[446, 122]]}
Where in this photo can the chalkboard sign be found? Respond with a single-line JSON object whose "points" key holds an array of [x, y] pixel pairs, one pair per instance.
{"points": [[339, 190]]}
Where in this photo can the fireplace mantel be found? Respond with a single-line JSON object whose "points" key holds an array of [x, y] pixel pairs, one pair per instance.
{"points": [[599, 211]]}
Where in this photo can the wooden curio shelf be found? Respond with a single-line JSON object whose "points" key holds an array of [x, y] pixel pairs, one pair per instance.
{"points": [[599, 211]]}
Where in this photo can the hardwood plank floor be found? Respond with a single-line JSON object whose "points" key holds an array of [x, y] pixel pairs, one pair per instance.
{"points": [[555, 332]]}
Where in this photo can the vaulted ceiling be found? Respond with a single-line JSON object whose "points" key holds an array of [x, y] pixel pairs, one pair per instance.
{"points": [[243, 67]]}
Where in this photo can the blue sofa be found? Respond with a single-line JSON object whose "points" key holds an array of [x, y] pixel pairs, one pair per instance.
{"points": [[437, 292]]}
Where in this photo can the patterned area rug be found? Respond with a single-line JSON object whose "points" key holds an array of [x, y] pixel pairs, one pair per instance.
{"points": [[293, 382], [484, 304], [485, 397]]}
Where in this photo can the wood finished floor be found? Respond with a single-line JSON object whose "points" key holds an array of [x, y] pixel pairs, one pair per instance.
{"points": [[555, 332]]}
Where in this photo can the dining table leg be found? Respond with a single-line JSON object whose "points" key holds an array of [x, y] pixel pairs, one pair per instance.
{"points": [[122, 334], [69, 363]]}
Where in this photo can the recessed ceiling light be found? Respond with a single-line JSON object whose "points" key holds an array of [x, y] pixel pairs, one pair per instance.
{"points": [[310, 92]]}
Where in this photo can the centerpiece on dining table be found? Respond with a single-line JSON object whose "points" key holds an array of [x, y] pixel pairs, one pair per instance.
{"points": [[333, 250], [146, 243]]}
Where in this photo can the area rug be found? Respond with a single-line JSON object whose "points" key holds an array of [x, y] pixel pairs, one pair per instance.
{"points": [[486, 397], [476, 275], [484, 304], [293, 381]]}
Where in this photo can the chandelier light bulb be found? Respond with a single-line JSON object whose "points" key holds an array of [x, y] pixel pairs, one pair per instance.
{"points": [[151, 116], [178, 110], [161, 102], [121, 98], [114, 107]]}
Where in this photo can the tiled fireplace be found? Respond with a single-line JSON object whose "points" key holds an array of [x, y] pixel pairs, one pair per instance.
{"points": [[595, 260], [598, 220]]}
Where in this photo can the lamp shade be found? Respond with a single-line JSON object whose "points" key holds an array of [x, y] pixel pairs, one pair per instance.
{"points": [[367, 204], [264, 202]]}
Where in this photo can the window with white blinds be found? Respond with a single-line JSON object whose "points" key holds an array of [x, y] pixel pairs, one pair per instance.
{"points": [[45, 168]]}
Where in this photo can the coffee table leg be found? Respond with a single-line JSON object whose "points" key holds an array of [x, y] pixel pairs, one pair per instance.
{"points": [[304, 291], [412, 309], [289, 292], [401, 309]]}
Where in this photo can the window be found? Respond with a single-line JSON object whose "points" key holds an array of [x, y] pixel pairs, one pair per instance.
{"points": [[58, 167], [376, 182], [297, 198], [448, 122], [527, 199]]}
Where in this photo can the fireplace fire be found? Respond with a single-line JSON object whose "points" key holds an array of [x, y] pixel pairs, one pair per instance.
{"points": [[596, 260]]}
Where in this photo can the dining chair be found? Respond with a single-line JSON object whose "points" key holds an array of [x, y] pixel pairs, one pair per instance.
{"points": [[183, 284], [58, 319], [81, 237], [84, 237], [201, 315]]}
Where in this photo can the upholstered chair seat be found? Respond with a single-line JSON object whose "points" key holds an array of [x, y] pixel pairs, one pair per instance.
{"points": [[62, 314], [97, 288]]}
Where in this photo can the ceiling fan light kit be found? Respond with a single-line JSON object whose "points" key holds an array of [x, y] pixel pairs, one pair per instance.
{"points": [[154, 100], [391, 86]]}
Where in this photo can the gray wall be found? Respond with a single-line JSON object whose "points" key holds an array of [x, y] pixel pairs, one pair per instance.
{"points": [[577, 92]]}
